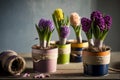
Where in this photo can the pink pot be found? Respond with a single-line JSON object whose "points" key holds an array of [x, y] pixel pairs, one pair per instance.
{"points": [[44, 60]]}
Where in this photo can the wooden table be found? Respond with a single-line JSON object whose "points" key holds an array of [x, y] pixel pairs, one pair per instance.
{"points": [[69, 71]]}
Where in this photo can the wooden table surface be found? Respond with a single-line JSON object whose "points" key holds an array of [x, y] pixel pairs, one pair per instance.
{"points": [[69, 71]]}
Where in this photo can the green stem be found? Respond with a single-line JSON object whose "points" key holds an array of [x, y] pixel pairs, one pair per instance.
{"points": [[90, 42], [79, 39], [98, 43], [63, 41]]}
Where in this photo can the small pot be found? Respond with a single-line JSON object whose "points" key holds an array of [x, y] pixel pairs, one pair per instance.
{"points": [[76, 50], [64, 53], [44, 60], [96, 64]]}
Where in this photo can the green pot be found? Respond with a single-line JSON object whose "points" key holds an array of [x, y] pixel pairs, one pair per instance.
{"points": [[64, 53]]}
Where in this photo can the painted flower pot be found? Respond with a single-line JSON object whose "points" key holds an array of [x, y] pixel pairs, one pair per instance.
{"points": [[96, 64], [76, 50], [44, 60], [64, 53]]}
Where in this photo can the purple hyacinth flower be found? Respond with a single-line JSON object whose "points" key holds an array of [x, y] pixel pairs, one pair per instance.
{"points": [[95, 15], [49, 24], [86, 24], [108, 21], [64, 31], [100, 23], [42, 23]]}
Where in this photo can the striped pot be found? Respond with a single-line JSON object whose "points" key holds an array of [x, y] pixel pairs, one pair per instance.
{"points": [[44, 60], [96, 64], [76, 50], [64, 53]]}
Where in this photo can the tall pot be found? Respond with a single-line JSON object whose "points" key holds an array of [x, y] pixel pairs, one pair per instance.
{"points": [[44, 60], [96, 64]]}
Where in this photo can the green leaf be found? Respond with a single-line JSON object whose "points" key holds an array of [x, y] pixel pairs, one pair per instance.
{"points": [[67, 21], [56, 24], [38, 30], [104, 34]]}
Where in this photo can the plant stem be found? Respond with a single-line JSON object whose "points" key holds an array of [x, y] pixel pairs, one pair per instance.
{"points": [[79, 39], [48, 44], [98, 43], [63, 41], [90, 42]]}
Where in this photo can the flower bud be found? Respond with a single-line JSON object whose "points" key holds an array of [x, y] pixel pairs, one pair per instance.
{"points": [[75, 19], [64, 31]]}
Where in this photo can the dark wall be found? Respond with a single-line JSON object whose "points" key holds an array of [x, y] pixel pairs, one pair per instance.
{"points": [[112, 7]]}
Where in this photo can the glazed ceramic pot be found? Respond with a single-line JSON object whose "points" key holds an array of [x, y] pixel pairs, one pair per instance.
{"points": [[76, 50], [64, 53], [44, 60], [96, 64]]}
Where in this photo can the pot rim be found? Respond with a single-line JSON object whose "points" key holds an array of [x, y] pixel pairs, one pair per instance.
{"points": [[101, 53], [36, 46], [84, 44]]}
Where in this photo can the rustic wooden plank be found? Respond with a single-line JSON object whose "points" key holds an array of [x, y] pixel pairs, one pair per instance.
{"points": [[69, 71]]}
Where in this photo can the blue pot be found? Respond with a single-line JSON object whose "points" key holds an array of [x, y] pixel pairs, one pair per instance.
{"points": [[96, 70], [76, 55], [96, 64]]}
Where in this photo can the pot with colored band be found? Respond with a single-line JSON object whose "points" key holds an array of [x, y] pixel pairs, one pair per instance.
{"points": [[64, 53], [96, 64], [44, 60], [76, 50]]}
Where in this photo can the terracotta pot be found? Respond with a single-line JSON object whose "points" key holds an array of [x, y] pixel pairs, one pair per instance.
{"points": [[11, 62], [76, 50], [96, 64], [64, 53], [44, 60]]}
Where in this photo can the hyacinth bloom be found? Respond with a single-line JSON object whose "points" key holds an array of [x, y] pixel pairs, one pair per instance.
{"points": [[44, 29], [95, 15], [64, 31], [100, 23], [86, 27], [99, 26], [75, 19], [59, 14], [86, 24], [61, 21], [75, 23], [108, 22]]}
